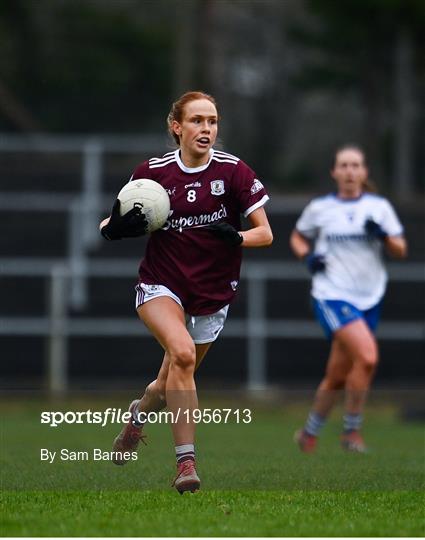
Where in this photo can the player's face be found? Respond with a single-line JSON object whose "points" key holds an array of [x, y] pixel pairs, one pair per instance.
{"points": [[349, 172], [197, 131]]}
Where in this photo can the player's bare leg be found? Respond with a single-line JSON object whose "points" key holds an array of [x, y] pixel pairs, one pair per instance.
{"points": [[361, 344], [165, 319], [338, 366], [187, 478], [153, 399], [337, 369]]}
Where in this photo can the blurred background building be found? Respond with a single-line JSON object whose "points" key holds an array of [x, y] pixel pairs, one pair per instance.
{"points": [[85, 88]]}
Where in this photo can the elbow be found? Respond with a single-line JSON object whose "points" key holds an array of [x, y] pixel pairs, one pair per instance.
{"points": [[269, 239], [399, 250], [400, 253]]}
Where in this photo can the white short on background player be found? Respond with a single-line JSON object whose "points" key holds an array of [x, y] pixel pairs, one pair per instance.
{"points": [[191, 266], [341, 237]]}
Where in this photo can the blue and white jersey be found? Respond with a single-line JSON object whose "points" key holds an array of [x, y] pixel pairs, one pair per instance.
{"points": [[355, 270]]}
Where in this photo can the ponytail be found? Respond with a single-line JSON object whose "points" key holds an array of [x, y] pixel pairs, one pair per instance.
{"points": [[369, 186]]}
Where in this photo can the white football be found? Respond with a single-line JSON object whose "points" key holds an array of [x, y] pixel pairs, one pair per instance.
{"points": [[150, 196]]}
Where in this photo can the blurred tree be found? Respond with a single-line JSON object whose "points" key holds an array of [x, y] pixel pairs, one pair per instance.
{"points": [[245, 64], [15, 19], [16, 112], [87, 66], [185, 49], [293, 78], [375, 48]]}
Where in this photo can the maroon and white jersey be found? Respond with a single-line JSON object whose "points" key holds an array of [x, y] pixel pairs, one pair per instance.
{"points": [[202, 270]]}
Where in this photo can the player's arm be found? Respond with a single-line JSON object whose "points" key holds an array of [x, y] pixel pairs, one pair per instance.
{"points": [[396, 246], [260, 233], [299, 244], [301, 247]]}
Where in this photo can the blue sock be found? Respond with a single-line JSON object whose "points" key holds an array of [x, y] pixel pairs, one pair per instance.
{"points": [[314, 424], [352, 422]]}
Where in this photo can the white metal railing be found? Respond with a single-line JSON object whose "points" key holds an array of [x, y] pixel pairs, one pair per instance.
{"points": [[84, 208], [256, 328], [68, 277]]}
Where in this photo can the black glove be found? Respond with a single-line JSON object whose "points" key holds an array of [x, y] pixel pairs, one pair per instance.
{"points": [[130, 225], [315, 262], [375, 230], [227, 233]]}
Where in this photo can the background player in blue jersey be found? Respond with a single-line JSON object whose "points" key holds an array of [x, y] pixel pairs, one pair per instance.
{"points": [[341, 237]]}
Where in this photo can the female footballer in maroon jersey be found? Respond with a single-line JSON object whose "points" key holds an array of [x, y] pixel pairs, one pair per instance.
{"points": [[191, 267]]}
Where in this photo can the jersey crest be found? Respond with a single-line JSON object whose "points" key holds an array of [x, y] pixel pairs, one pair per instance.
{"points": [[350, 215], [217, 187]]}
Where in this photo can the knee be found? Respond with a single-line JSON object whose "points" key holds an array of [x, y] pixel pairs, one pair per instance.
{"points": [[368, 358], [183, 356]]}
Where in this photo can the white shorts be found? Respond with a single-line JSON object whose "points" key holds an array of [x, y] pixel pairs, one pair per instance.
{"points": [[202, 328]]}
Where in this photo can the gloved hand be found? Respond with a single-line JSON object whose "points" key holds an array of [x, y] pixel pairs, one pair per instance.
{"points": [[130, 225], [374, 230], [315, 262], [227, 233]]}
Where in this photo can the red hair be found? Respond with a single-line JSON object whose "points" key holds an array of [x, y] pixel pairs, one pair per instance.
{"points": [[177, 109]]}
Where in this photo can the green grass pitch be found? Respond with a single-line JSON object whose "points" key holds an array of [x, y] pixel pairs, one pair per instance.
{"points": [[255, 482]]}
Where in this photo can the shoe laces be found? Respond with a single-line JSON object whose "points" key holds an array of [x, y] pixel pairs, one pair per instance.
{"points": [[134, 434], [184, 468]]}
